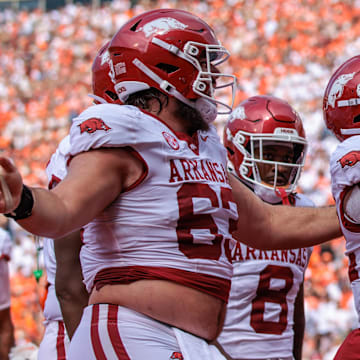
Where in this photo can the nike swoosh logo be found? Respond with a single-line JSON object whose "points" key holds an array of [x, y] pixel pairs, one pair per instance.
{"points": [[204, 138]]}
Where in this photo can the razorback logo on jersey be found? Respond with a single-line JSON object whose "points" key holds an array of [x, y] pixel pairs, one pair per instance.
{"points": [[92, 125], [177, 355], [350, 159]]}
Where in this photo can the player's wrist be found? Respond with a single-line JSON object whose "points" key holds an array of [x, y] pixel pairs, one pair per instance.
{"points": [[24, 209]]}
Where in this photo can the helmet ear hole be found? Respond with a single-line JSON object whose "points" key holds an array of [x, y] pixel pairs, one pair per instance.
{"points": [[134, 27], [168, 68], [356, 119], [112, 95]]}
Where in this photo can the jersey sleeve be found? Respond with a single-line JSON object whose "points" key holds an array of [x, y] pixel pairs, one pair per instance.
{"points": [[105, 125], [345, 164], [345, 173], [56, 168]]}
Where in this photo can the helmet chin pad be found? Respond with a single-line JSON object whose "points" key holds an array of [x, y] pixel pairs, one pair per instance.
{"points": [[266, 194], [207, 109]]}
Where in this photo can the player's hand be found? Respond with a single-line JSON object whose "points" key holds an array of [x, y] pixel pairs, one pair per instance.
{"points": [[10, 185]]}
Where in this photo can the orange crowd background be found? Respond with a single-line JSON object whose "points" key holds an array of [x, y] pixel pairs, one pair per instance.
{"points": [[285, 48]]}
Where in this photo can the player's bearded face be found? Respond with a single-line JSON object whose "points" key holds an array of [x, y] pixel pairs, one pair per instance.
{"points": [[191, 118]]}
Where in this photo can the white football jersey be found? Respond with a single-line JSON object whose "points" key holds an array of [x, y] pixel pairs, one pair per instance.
{"points": [[174, 222], [55, 171], [260, 313], [345, 172]]}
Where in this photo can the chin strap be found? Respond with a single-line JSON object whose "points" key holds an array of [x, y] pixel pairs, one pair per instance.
{"points": [[284, 196]]}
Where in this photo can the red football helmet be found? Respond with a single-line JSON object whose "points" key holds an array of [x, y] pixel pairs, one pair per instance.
{"points": [[341, 103], [175, 52], [102, 86], [255, 123]]}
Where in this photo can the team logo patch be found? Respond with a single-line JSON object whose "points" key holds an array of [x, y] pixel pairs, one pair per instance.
{"points": [[350, 159], [161, 26], [171, 140], [92, 125], [177, 355]]}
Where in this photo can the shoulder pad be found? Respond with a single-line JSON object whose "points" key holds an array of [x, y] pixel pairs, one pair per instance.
{"points": [[345, 162], [105, 125]]}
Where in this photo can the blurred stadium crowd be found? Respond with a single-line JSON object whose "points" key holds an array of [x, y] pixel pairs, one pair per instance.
{"points": [[285, 48]]}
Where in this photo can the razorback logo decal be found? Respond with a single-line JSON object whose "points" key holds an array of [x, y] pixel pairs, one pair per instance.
{"points": [[92, 125], [337, 88], [161, 26], [350, 159], [238, 113]]}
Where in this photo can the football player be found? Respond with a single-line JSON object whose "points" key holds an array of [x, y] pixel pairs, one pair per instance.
{"points": [[147, 182], [341, 108], [66, 293], [266, 146]]}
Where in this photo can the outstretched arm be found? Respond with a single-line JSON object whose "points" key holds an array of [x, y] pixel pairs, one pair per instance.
{"points": [[95, 179], [266, 226]]}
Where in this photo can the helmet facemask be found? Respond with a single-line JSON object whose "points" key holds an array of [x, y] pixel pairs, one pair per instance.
{"points": [[210, 83], [285, 174]]}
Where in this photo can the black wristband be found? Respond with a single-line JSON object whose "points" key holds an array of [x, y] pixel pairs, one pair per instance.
{"points": [[25, 207]]}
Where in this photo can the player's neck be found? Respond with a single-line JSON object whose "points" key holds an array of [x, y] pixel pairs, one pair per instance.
{"points": [[167, 115]]}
